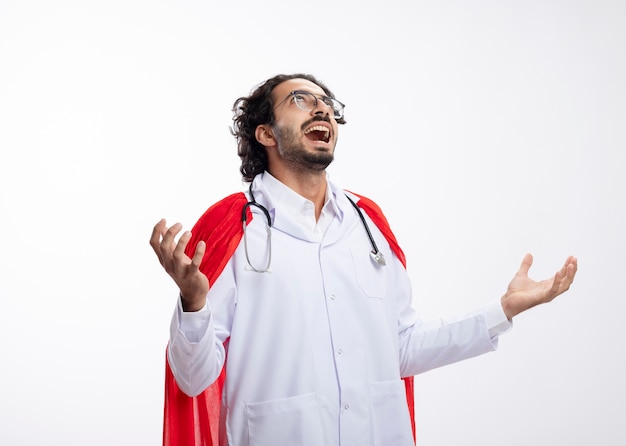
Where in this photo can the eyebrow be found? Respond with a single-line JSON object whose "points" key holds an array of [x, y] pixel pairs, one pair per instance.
{"points": [[324, 95]]}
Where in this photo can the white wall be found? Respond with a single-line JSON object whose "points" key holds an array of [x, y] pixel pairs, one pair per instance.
{"points": [[485, 129]]}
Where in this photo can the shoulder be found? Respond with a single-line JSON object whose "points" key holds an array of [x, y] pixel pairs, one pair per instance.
{"points": [[368, 205], [224, 211], [220, 228], [378, 217]]}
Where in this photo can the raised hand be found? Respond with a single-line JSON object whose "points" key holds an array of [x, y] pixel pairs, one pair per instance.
{"points": [[524, 293], [193, 284]]}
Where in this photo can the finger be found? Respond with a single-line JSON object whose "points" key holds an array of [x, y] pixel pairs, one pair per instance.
{"points": [[564, 277], [563, 271], [569, 268], [167, 246], [198, 254], [557, 284], [573, 267], [526, 264], [569, 260], [167, 243], [157, 233], [155, 238], [570, 273], [180, 258]]}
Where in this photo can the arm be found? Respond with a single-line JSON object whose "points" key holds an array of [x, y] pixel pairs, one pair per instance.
{"points": [[524, 293], [195, 351]]}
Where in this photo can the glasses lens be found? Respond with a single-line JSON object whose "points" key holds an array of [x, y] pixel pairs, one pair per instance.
{"points": [[304, 100], [334, 105], [307, 101], [337, 109]]}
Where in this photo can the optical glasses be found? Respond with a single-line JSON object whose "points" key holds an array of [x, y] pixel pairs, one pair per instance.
{"points": [[307, 101]]}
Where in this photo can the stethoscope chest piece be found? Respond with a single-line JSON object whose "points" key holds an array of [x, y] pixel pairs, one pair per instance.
{"points": [[375, 254], [378, 257]]}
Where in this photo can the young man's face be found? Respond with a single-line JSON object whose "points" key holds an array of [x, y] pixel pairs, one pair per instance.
{"points": [[304, 137]]}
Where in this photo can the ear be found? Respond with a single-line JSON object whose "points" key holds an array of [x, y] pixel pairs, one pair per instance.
{"points": [[264, 135]]}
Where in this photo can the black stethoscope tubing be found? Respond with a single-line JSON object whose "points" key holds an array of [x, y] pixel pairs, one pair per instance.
{"points": [[374, 253]]}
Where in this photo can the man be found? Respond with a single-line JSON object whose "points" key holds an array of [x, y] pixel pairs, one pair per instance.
{"points": [[295, 305]]}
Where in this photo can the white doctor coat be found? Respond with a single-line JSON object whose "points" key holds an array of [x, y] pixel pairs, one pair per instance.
{"points": [[317, 346]]}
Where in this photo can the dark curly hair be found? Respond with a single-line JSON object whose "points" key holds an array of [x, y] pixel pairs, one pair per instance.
{"points": [[250, 112]]}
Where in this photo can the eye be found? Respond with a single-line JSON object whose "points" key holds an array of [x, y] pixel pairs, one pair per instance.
{"points": [[305, 99], [329, 102]]}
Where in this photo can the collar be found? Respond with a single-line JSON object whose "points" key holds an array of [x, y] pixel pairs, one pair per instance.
{"points": [[287, 207]]}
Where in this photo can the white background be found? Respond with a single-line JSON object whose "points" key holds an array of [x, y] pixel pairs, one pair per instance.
{"points": [[484, 129]]}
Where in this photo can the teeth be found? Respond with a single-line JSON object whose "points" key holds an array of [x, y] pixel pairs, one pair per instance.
{"points": [[318, 128]]}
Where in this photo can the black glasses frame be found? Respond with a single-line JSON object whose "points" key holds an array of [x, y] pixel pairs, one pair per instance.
{"points": [[332, 103]]}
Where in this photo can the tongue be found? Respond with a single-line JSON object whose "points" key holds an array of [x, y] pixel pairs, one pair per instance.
{"points": [[316, 135]]}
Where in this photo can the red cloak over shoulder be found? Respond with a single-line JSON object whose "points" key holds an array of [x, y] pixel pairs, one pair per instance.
{"points": [[195, 421]]}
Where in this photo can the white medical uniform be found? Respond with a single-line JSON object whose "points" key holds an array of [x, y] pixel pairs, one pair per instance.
{"points": [[318, 345]]}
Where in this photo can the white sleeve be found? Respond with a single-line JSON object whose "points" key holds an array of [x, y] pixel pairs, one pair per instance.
{"points": [[194, 356], [193, 324], [496, 320], [432, 343]]}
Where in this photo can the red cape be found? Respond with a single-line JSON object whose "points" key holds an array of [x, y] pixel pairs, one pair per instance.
{"points": [[195, 421]]}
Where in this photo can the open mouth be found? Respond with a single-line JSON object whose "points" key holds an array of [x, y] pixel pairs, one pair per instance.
{"points": [[318, 133]]}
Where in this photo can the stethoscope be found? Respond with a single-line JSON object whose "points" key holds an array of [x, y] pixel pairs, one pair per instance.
{"points": [[376, 255]]}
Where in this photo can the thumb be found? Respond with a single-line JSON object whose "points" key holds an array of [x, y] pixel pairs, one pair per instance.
{"points": [[526, 264]]}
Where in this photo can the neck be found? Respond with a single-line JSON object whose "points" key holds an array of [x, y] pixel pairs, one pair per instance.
{"points": [[310, 185]]}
